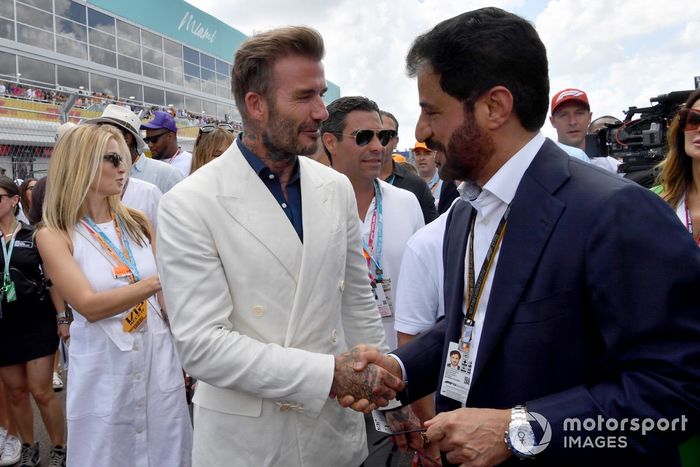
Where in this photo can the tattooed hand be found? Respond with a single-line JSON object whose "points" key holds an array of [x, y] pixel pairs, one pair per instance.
{"points": [[360, 382]]}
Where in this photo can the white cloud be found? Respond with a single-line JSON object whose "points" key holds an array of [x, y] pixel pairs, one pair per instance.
{"points": [[621, 53]]}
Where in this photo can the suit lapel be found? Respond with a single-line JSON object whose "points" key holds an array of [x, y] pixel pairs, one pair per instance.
{"points": [[534, 214], [317, 221], [249, 202]]}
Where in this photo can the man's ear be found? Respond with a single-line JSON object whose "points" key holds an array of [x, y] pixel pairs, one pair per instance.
{"points": [[256, 106], [498, 104], [329, 141]]}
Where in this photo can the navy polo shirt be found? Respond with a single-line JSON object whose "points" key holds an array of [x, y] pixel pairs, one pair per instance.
{"points": [[291, 205]]}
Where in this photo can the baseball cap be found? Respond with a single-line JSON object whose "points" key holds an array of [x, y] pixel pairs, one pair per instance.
{"points": [[162, 120], [398, 157], [420, 145], [569, 95], [124, 118]]}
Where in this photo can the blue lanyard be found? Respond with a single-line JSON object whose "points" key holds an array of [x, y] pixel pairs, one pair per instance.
{"points": [[377, 223], [7, 253], [124, 254]]}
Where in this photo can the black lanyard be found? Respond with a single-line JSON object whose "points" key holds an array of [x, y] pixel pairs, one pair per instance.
{"points": [[474, 289]]}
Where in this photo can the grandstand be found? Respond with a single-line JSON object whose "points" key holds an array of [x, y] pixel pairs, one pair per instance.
{"points": [[65, 60]]}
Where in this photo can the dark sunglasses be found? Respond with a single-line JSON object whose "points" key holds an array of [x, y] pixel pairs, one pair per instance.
{"points": [[689, 119], [114, 158], [364, 137], [209, 127], [154, 138]]}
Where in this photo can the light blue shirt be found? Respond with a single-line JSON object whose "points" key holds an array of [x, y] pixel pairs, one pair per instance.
{"points": [[156, 172]]}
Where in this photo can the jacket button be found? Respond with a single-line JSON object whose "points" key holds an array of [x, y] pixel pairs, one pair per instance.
{"points": [[258, 310], [341, 285], [334, 336]]}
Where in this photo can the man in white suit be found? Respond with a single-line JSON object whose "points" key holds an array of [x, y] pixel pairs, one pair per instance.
{"points": [[261, 265]]}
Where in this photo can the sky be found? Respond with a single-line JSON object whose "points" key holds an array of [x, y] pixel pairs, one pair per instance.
{"points": [[620, 53]]}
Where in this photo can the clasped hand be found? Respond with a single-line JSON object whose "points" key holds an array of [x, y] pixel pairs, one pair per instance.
{"points": [[364, 379]]}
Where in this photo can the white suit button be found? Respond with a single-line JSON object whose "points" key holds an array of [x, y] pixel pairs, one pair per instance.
{"points": [[341, 285], [258, 310], [334, 336]]}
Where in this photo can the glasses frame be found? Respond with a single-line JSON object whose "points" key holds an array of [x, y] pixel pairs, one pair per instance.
{"points": [[384, 136], [113, 158], [684, 115], [8, 195], [153, 139], [209, 127]]}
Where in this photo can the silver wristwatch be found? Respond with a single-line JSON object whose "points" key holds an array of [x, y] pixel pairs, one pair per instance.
{"points": [[520, 438]]}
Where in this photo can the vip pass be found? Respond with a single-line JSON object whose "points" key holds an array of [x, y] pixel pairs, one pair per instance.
{"points": [[8, 292]]}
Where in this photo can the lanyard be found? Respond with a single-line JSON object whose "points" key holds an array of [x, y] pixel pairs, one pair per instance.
{"points": [[177, 153], [475, 289], [376, 226], [7, 253], [433, 183], [123, 256], [689, 221]]}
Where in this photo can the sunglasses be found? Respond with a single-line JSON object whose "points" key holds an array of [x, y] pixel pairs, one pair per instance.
{"points": [[689, 119], [209, 127], [153, 139], [364, 137], [114, 158]]}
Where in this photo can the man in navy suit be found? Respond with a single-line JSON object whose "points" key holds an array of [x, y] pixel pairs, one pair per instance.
{"points": [[571, 293]]}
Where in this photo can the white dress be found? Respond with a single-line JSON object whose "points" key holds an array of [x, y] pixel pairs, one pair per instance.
{"points": [[125, 397]]}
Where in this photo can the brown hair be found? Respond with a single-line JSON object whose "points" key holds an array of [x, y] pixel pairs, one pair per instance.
{"points": [[676, 170], [207, 143], [254, 60], [23, 190], [9, 186]]}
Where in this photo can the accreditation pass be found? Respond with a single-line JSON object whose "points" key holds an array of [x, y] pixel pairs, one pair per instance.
{"points": [[457, 376]]}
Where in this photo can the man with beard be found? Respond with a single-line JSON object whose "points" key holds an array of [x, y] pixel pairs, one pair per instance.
{"points": [[261, 265], [571, 293]]}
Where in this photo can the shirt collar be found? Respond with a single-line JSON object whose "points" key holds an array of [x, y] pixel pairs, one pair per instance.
{"points": [[504, 183], [258, 165], [140, 163]]}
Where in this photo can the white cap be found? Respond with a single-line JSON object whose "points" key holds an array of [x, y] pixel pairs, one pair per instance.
{"points": [[121, 116], [63, 129]]}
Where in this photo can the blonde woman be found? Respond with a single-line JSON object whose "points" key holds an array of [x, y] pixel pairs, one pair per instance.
{"points": [[212, 141], [125, 400]]}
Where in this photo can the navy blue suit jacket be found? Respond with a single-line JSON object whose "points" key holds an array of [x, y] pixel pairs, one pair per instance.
{"points": [[594, 310]]}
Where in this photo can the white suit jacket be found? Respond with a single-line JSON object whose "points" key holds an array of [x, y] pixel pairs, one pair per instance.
{"points": [[257, 316]]}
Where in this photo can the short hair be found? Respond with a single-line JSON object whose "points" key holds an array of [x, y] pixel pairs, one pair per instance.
{"points": [[384, 113], [456, 352], [339, 109], [256, 57], [480, 49]]}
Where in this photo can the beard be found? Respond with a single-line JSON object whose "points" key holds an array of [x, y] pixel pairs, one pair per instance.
{"points": [[281, 138], [468, 151]]}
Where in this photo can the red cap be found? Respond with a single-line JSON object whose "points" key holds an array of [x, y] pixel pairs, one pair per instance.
{"points": [[568, 95]]}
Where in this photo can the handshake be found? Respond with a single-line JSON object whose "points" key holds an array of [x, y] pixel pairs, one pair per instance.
{"points": [[364, 379]]}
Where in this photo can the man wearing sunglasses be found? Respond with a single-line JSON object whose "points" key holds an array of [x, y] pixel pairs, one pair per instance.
{"points": [[161, 138], [397, 175], [388, 216], [260, 261]]}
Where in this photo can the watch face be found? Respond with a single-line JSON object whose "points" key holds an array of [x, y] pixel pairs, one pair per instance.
{"points": [[522, 438]]}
